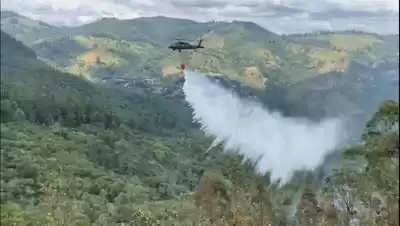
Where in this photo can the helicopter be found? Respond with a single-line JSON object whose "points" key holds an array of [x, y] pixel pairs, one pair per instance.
{"points": [[181, 45]]}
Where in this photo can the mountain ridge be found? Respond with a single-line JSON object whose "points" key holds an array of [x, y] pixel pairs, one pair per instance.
{"points": [[280, 69], [243, 51]]}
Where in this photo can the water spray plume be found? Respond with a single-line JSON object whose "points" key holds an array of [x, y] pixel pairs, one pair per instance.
{"points": [[283, 144]]}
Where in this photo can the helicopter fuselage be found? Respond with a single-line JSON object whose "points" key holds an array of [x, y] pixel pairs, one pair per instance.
{"points": [[183, 45]]}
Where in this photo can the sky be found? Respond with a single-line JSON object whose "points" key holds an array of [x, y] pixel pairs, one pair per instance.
{"points": [[280, 16]]}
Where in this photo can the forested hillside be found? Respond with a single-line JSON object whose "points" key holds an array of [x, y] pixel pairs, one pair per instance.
{"points": [[339, 74], [105, 49], [77, 153], [65, 138]]}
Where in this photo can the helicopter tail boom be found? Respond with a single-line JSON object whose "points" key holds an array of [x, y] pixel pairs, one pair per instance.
{"points": [[199, 44]]}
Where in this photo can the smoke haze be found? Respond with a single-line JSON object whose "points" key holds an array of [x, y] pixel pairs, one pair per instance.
{"points": [[283, 145]]}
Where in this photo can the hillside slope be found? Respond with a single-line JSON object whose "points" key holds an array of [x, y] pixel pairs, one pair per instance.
{"points": [[311, 75], [112, 49], [96, 148], [26, 29], [76, 153]]}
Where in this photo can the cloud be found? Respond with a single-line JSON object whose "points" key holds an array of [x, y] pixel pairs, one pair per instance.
{"points": [[282, 16]]}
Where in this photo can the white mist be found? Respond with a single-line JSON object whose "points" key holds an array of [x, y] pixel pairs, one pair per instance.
{"points": [[283, 144]]}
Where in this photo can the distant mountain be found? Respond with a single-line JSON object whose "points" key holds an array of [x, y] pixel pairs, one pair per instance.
{"points": [[112, 49], [28, 30], [311, 75]]}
